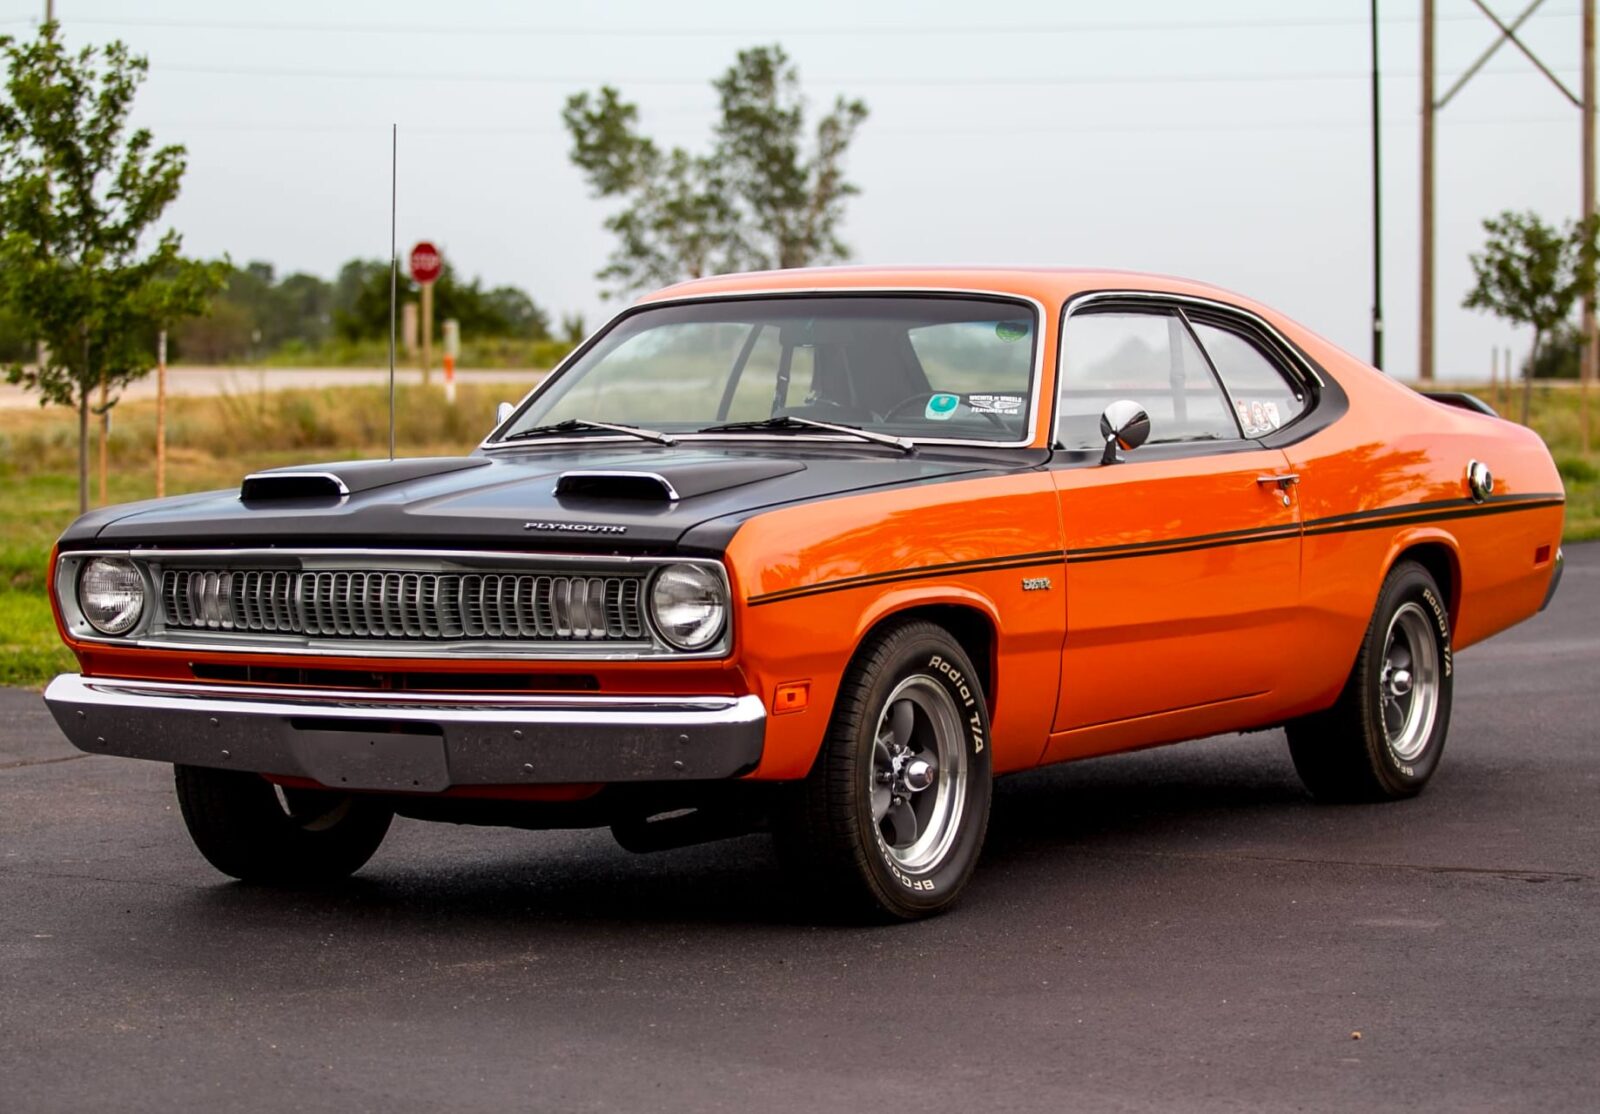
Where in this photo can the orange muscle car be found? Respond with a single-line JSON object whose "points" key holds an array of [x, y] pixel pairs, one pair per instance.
{"points": [[823, 553]]}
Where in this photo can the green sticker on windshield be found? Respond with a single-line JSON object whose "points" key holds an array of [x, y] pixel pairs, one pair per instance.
{"points": [[1009, 331], [941, 406]]}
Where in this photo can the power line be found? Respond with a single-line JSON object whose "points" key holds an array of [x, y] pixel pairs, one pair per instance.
{"points": [[413, 76], [490, 130], [849, 30]]}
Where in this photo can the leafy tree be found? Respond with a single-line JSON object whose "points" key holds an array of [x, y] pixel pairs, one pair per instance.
{"points": [[758, 200], [79, 195], [1532, 274], [361, 304]]}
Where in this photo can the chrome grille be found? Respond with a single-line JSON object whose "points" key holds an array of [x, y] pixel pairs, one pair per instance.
{"points": [[511, 606]]}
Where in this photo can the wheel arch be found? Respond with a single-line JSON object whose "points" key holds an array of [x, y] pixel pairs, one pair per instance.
{"points": [[968, 617], [1435, 550]]}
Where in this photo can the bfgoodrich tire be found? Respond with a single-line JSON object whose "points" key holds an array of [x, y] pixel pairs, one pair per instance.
{"points": [[1384, 737], [891, 820], [250, 829]]}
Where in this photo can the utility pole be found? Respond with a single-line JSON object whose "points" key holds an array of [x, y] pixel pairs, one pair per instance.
{"points": [[49, 11], [1377, 209], [1425, 292], [1590, 350]]}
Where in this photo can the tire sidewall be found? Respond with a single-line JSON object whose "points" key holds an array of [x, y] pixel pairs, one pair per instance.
{"points": [[1408, 584], [942, 660]]}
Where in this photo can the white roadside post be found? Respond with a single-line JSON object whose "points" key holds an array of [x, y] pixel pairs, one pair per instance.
{"points": [[452, 349]]}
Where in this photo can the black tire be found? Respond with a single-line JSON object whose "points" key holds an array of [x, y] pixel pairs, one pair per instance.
{"points": [[308, 837], [827, 833], [1346, 753]]}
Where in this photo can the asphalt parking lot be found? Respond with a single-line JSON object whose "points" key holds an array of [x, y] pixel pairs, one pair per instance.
{"points": [[1178, 929]]}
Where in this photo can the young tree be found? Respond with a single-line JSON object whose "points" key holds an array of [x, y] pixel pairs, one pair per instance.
{"points": [[79, 195], [757, 200], [1532, 274]]}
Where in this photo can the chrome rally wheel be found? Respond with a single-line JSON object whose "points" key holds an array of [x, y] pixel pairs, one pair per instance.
{"points": [[919, 773], [1408, 682]]}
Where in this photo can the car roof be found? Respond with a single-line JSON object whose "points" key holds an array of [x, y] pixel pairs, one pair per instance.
{"points": [[1049, 285]]}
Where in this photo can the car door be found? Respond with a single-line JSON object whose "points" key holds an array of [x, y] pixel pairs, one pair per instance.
{"points": [[1183, 559]]}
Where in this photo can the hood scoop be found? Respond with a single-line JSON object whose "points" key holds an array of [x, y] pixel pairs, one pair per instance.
{"points": [[339, 481], [669, 485]]}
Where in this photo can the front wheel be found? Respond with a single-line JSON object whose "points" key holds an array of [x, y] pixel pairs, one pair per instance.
{"points": [[892, 818], [1384, 737], [255, 831]]}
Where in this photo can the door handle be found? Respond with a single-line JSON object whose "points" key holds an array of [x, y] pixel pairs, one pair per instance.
{"points": [[1283, 482]]}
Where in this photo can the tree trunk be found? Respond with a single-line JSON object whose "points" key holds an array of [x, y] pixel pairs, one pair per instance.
{"points": [[83, 449], [1527, 377], [105, 438]]}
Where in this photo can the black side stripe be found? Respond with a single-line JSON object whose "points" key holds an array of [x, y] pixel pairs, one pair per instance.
{"points": [[987, 564], [1434, 511]]}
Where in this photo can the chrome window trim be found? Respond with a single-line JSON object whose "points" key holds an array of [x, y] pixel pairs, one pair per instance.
{"points": [[150, 635], [1302, 367], [1035, 383]]}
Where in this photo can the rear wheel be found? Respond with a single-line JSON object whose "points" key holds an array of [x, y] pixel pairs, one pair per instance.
{"points": [[891, 820], [255, 831], [1384, 737]]}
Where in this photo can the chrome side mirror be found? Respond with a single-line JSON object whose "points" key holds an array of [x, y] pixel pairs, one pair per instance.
{"points": [[502, 412], [1124, 425]]}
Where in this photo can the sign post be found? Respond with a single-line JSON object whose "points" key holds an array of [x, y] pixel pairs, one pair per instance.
{"points": [[426, 266]]}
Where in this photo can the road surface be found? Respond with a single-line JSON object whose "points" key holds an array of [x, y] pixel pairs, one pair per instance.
{"points": [[1173, 930]]}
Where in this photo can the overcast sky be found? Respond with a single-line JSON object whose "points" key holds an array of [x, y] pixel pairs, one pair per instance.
{"points": [[1226, 141]]}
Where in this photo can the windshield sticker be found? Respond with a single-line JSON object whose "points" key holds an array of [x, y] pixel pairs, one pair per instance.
{"points": [[941, 406], [1010, 331], [1009, 405]]}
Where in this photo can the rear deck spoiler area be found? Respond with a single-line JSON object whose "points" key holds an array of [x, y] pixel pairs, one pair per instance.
{"points": [[1462, 401]]}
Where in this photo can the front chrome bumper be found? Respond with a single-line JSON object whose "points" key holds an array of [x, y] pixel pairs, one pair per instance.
{"points": [[412, 743]]}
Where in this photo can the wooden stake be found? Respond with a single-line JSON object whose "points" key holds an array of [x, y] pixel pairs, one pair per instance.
{"points": [[105, 437], [161, 414]]}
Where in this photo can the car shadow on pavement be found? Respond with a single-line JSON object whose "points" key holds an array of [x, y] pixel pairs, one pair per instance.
{"points": [[1043, 823]]}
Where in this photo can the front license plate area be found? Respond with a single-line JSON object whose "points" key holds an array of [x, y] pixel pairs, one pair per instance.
{"points": [[403, 761]]}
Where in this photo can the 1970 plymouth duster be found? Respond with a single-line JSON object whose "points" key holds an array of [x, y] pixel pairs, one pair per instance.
{"points": [[820, 552]]}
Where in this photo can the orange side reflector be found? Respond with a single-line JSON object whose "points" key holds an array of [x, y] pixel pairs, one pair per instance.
{"points": [[1541, 555], [791, 697]]}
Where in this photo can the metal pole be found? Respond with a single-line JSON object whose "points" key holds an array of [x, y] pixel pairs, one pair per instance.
{"points": [[394, 265], [1590, 351], [1377, 209], [1425, 291]]}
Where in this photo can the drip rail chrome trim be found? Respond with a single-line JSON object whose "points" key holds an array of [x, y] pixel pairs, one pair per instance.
{"points": [[1042, 323]]}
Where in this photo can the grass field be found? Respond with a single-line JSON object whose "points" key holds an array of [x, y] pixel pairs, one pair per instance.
{"points": [[214, 442]]}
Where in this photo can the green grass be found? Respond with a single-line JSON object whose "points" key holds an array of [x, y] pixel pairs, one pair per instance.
{"points": [[30, 652], [1554, 414], [214, 442]]}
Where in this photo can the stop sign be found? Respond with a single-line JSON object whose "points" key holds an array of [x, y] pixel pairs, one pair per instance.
{"points": [[426, 262]]}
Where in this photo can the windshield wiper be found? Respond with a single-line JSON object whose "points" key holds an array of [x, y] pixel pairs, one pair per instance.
{"points": [[572, 425], [788, 421]]}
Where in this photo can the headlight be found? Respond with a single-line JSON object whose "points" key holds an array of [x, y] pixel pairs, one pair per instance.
{"points": [[688, 605], [111, 593]]}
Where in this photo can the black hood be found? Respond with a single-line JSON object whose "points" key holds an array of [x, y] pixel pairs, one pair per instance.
{"points": [[613, 498]]}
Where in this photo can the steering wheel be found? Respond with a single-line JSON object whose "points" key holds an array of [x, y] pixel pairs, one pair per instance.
{"points": [[922, 400]]}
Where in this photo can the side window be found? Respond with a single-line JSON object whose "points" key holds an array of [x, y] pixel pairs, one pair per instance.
{"points": [[1264, 397], [1149, 358]]}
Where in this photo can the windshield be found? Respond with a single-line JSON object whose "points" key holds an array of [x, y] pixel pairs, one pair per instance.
{"points": [[911, 366]]}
